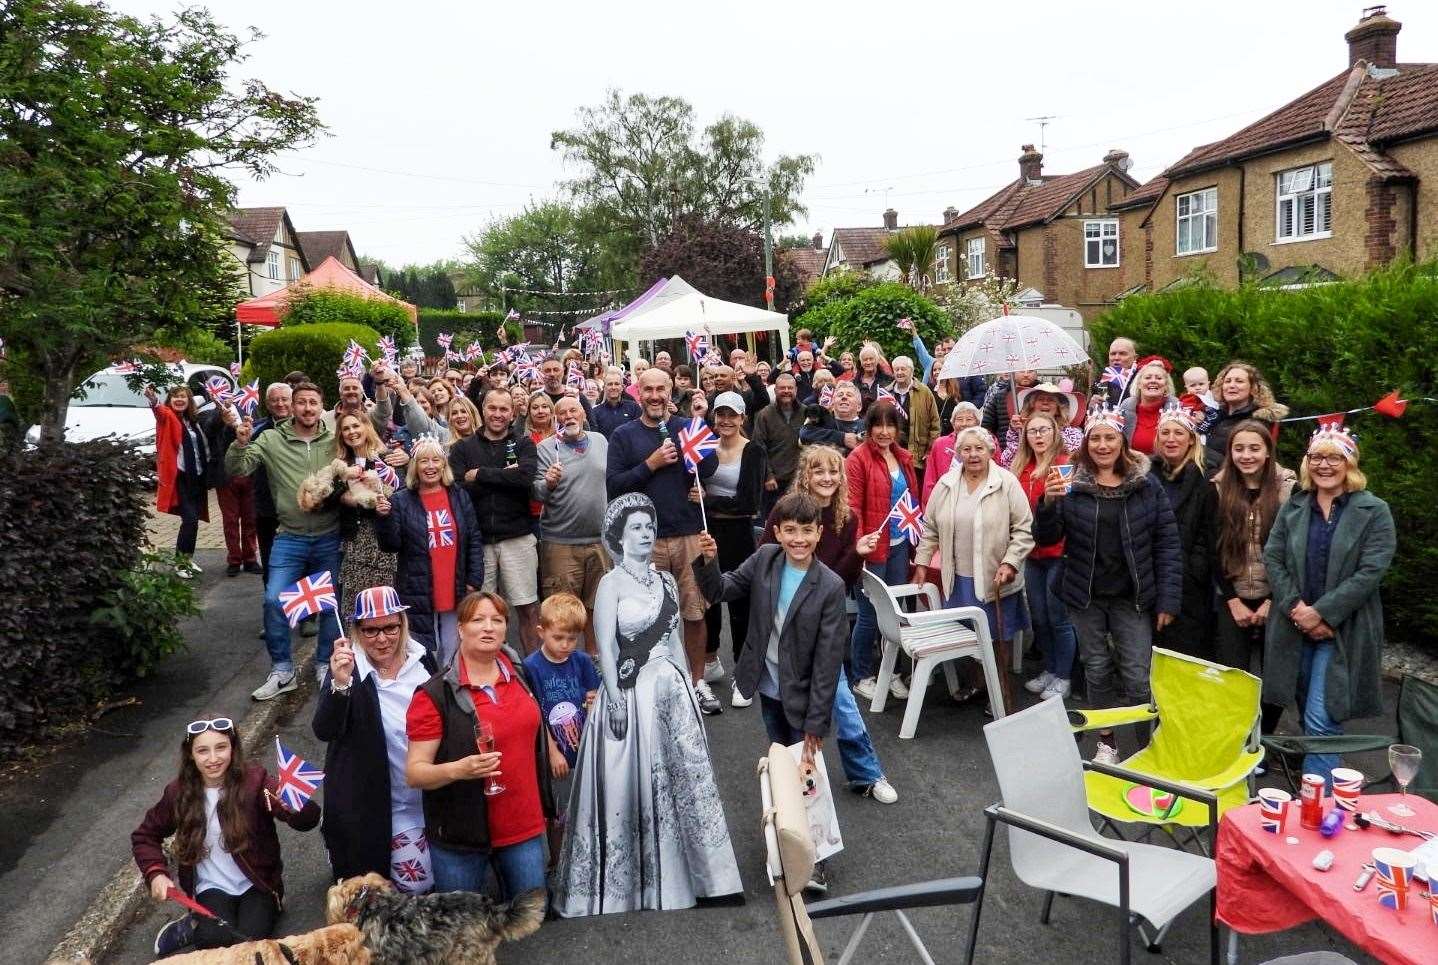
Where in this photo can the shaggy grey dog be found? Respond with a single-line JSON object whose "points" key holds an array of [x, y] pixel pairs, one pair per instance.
{"points": [[457, 926]]}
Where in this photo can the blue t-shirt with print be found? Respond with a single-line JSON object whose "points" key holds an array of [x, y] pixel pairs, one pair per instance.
{"points": [[560, 688]]}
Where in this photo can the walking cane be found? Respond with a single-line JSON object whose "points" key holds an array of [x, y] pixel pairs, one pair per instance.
{"points": [[1001, 651]]}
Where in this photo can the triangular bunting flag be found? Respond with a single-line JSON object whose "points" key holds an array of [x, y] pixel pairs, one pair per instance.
{"points": [[1390, 405]]}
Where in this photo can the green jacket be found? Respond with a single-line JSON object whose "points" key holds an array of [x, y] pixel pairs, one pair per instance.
{"points": [[1362, 549], [288, 460]]}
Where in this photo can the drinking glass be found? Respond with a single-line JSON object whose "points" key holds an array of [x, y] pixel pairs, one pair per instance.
{"points": [[484, 741], [1404, 761]]}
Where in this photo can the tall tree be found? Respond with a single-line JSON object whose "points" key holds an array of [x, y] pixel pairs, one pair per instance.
{"points": [[115, 137], [913, 252], [723, 261], [551, 248]]}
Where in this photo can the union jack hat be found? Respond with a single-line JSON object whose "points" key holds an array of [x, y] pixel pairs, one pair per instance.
{"points": [[1180, 414], [1103, 415], [1339, 438], [377, 601]]}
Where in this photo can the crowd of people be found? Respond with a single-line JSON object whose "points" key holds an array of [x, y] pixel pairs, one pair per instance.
{"points": [[568, 752]]}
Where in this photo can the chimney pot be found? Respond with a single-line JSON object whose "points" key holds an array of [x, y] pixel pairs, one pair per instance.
{"points": [[1374, 40], [950, 213], [891, 219], [819, 241], [1031, 164]]}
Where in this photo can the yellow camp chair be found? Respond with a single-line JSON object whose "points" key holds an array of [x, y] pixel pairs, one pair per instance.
{"points": [[1206, 737]]}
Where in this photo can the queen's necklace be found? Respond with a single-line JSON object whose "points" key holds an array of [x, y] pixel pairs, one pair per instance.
{"points": [[649, 573]]}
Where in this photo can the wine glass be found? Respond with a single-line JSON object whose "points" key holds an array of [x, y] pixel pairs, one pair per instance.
{"points": [[1404, 761], [484, 741]]}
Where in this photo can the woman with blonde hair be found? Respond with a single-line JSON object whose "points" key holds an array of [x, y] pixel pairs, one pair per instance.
{"points": [[1242, 394], [539, 418], [1177, 465], [463, 419], [440, 392], [362, 563], [1040, 451], [1330, 547]]}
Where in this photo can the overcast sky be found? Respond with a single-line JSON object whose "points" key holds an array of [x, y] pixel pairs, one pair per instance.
{"points": [[440, 113]]}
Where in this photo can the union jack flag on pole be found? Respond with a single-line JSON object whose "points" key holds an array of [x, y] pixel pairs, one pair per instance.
{"points": [[297, 780], [308, 596], [882, 394], [444, 340], [217, 387], [698, 346], [575, 376], [235, 369], [247, 398], [696, 441], [826, 396], [354, 355], [388, 350], [909, 517]]}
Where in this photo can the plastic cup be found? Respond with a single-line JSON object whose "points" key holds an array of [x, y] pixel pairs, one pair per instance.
{"points": [[1395, 876], [1066, 473], [1347, 784], [1273, 807]]}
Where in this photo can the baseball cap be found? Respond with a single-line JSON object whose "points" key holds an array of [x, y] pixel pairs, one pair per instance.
{"points": [[730, 400]]}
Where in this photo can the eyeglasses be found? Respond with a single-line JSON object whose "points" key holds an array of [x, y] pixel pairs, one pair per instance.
{"points": [[197, 727], [1327, 459], [373, 633], [1040, 430]]}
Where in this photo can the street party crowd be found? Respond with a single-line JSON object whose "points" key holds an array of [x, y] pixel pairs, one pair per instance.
{"points": [[516, 576]]}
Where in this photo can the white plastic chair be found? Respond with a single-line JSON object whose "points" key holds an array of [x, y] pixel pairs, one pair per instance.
{"points": [[931, 638], [1054, 847]]}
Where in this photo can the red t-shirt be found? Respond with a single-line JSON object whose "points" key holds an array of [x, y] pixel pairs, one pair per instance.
{"points": [[1145, 429], [515, 814], [443, 547], [1034, 489]]}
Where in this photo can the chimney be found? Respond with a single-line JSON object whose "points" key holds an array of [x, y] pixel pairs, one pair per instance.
{"points": [[891, 219], [1374, 40], [950, 213], [1118, 158], [818, 241], [1031, 165]]}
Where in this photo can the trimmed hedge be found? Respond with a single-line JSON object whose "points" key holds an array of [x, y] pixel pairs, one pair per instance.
{"points": [[1325, 349], [316, 350], [321, 306], [871, 313]]}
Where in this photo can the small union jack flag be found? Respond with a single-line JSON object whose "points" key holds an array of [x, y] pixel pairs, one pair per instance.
{"points": [[297, 780], [308, 596], [387, 349], [697, 344], [441, 528], [217, 387], [513, 316], [909, 517], [525, 370], [126, 367], [473, 351], [247, 398], [575, 376], [444, 339], [826, 396], [386, 474], [882, 394], [235, 369], [1117, 375], [696, 441], [354, 355]]}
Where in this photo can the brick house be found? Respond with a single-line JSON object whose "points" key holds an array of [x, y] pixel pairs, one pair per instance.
{"points": [[808, 261], [1055, 234], [862, 249], [1342, 179]]}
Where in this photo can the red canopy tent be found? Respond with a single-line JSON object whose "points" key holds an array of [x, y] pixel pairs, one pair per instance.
{"points": [[267, 309]]}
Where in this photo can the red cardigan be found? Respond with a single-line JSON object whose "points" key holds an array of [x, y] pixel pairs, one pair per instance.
{"points": [[260, 859], [870, 489], [1034, 489], [167, 462]]}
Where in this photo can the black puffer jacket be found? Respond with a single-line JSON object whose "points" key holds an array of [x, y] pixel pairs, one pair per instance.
{"points": [[1216, 439], [1193, 501], [405, 531], [1155, 557]]}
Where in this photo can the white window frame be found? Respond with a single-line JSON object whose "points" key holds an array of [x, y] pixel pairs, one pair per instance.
{"points": [[941, 265], [272, 266], [1310, 185], [1208, 197], [1095, 234], [296, 270], [974, 257]]}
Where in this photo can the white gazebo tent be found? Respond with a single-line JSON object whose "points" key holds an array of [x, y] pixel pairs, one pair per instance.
{"points": [[678, 308]]}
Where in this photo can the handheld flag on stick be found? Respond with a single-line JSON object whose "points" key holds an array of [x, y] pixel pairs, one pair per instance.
{"points": [[247, 398], [217, 387], [909, 517], [297, 780], [884, 395], [697, 345], [387, 349], [696, 441], [308, 596], [826, 396], [355, 355], [444, 340], [235, 369], [575, 377]]}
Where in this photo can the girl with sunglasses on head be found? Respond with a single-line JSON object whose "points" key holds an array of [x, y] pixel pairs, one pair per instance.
{"points": [[222, 812]]}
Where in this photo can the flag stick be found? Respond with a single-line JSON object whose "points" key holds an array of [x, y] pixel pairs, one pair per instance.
{"points": [[704, 520]]}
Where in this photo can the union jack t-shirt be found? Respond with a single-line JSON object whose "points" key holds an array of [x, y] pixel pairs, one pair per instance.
{"points": [[443, 539]]}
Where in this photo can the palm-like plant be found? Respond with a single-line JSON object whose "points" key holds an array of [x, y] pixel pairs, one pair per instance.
{"points": [[913, 251]]}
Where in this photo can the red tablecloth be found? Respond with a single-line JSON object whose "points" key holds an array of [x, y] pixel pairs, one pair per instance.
{"points": [[1266, 884]]}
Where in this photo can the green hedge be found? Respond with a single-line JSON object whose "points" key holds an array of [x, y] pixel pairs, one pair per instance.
{"points": [[1325, 349], [316, 350], [872, 313], [465, 327], [327, 306]]}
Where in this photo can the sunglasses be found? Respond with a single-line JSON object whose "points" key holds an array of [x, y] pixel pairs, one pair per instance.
{"points": [[197, 727]]}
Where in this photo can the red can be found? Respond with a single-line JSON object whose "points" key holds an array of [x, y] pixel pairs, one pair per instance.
{"points": [[1311, 796]]}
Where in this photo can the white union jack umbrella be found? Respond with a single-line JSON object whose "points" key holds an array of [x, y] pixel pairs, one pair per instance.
{"points": [[1011, 343]]}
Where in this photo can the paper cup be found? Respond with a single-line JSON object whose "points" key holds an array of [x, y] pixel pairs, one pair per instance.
{"points": [[1395, 876], [1273, 805], [1347, 783], [1066, 473]]}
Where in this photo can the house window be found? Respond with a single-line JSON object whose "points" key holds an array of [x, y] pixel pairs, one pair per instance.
{"points": [[272, 266], [1100, 244], [1305, 202], [976, 257], [941, 265], [295, 270], [1198, 221]]}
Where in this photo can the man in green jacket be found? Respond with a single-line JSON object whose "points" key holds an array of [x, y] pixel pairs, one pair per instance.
{"points": [[306, 543]]}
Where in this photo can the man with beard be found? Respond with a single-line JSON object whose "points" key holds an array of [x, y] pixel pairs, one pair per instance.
{"points": [[776, 430]]}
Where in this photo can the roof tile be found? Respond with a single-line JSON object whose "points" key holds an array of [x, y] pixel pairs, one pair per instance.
{"points": [[258, 225]]}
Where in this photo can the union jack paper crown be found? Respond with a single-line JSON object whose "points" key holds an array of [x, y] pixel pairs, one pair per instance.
{"points": [[1103, 415], [1174, 412], [425, 439], [1338, 437], [377, 601]]}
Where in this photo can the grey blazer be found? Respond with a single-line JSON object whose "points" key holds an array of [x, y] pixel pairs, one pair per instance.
{"points": [[812, 643]]}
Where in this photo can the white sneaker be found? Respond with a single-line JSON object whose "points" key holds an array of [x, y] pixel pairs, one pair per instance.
{"points": [[1105, 754], [737, 699], [867, 687], [882, 791], [275, 684], [1040, 683], [1058, 687], [898, 689], [708, 704], [713, 670], [187, 569]]}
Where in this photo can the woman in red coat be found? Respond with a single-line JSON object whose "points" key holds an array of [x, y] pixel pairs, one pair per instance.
{"points": [[880, 473], [182, 460]]}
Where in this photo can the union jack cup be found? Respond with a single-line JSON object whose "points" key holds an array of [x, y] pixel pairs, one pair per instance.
{"points": [[1395, 876], [1347, 783], [1273, 807]]}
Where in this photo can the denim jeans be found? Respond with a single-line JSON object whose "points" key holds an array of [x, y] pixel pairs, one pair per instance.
{"points": [[1128, 664], [292, 557], [893, 571], [194, 498], [1053, 632], [1312, 673], [856, 750], [520, 868]]}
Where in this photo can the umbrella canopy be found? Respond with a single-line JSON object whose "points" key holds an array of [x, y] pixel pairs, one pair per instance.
{"points": [[1011, 343], [268, 309]]}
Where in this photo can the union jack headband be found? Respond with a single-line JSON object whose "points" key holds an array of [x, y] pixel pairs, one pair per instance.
{"points": [[1177, 414], [1103, 415], [1339, 438]]}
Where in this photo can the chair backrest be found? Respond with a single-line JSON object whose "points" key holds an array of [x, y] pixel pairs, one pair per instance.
{"points": [[886, 606], [789, 852], [1206, 715], [1418, 725], [1040, 775]]}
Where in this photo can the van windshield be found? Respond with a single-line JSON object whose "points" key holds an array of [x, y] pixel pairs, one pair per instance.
{"points": [[107, 389]]}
